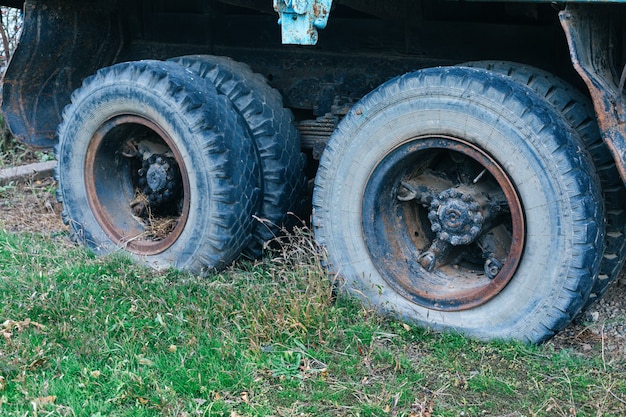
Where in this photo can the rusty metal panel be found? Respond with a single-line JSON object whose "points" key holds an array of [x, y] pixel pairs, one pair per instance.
{"points": [[62, 43], [588, 32]]}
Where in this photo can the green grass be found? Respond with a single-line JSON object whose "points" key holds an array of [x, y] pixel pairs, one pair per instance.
{"points": [[85, 336]]}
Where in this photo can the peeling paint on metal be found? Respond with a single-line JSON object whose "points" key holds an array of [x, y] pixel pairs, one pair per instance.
{"points": [[300, 19]]}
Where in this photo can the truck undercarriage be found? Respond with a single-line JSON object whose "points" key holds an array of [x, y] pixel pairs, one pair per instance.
{"points": [[471, 154]]}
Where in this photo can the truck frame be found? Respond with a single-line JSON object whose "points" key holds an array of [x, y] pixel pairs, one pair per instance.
{"points": [[463, 162]]}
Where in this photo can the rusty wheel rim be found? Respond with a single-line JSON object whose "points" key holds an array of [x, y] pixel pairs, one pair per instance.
{"points": [[113, 185], [445, 197]]}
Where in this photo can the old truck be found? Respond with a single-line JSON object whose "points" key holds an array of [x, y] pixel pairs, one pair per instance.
{"points": [[463, 161]]}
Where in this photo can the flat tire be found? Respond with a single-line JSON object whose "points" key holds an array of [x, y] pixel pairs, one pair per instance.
{"points": [[475, 169]]}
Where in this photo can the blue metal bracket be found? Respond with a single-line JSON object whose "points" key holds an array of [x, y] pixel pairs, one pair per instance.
{"points": [[300, 19]]}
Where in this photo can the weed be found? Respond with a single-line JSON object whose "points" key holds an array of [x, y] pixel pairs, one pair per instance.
{"points": [[13, 153], [7, 190]]}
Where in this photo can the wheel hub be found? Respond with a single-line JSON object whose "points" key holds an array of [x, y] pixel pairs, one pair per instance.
{"points": [[141, 200], [456, 217], [159, 178], [451, 219]]}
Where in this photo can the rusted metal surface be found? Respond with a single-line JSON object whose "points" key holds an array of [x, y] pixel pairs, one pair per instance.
{"points": [[62, 43], [592, 35], [444, 223], [112, 183]]}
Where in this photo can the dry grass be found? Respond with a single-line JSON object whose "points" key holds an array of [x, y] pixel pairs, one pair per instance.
{"points": [[31, 207], [156, 227]]}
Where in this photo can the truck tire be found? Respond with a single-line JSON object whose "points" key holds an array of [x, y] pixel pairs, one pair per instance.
{"points": [[578, 111], [157, 163], [276, 137], [459, 199]]}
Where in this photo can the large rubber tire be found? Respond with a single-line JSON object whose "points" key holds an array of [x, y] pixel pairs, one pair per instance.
{"points": [[578, 111], [153, 123], [419, 126], [276, 137]]}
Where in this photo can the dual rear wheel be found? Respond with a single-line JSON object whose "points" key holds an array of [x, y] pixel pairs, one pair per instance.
{"points": [[577, 110], [163, 163]]}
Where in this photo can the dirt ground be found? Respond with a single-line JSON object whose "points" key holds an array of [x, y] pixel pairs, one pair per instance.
{"points": [[32, 207]]}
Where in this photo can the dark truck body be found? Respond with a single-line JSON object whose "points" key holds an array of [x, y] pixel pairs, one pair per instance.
{"points": [[365, 44]]}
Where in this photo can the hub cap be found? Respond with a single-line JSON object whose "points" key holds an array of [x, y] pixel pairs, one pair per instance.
{"points": [[443, 223]]}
